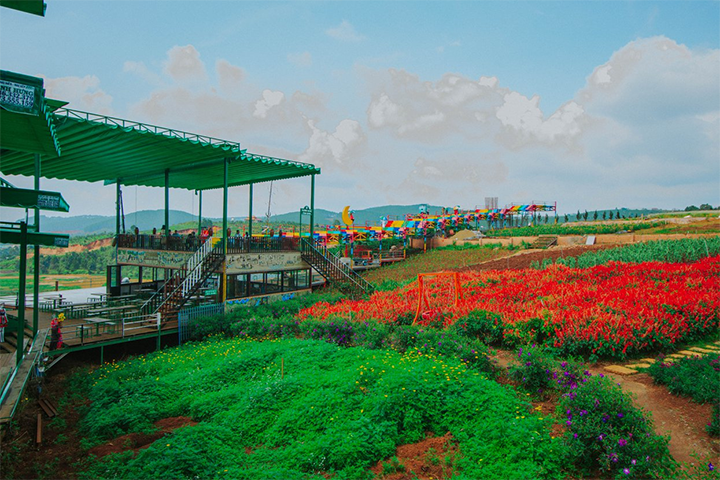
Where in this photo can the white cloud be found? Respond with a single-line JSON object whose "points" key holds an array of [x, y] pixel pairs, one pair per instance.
{"points": [[303, 59], [345, 32], [524, 117], [270, 99], [230, 77], [325, 148], [83, 93], [184, 65]]}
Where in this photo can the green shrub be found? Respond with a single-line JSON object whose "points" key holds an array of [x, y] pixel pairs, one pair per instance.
{"points": [[607, 434], [536, 370], [486, 326], [697, 377], [713, 428]]}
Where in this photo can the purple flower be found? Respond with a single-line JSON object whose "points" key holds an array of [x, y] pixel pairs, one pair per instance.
{"points": [[622, 442], [626, 471], [583, 412], [575, 435], [568, 423], [711, 467], [620, 415], [633, 461], [601, 437]]}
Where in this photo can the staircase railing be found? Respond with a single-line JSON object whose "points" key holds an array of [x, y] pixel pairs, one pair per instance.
{"points": [[332, 268], [185, 281]]}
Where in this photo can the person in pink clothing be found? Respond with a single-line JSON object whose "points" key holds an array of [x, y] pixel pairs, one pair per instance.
{"points": [[3, 322]]}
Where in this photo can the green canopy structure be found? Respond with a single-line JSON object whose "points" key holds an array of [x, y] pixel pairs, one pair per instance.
{"points": [[35, 7], [101, 148], [26, 123]]}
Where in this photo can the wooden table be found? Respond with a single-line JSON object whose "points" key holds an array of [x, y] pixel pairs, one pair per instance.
{"points": [[101, 297]]}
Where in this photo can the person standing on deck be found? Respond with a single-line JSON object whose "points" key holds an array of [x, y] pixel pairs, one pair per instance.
{"points": [[3, 322], [54, 333]]}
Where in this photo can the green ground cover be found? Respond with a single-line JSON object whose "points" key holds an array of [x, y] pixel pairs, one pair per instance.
{"points": [[684, 250], [337, 410], [391, 276], [571, 229]]}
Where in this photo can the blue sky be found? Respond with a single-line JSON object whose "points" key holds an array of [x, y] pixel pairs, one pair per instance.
{"points": [[592, 104]]}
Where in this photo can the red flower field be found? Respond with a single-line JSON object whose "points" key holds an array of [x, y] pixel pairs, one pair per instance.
{"points": [[612, 309]]}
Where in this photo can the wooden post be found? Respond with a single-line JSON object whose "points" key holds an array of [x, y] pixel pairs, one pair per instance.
{"points": [[38, 438]]}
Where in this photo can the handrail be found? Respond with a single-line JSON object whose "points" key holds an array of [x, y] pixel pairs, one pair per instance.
{"points": [[320, 252], [195, 267]]}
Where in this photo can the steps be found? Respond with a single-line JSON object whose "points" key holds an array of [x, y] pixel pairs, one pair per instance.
{"points": [[179, 288], [334, 271], [544, 241]]}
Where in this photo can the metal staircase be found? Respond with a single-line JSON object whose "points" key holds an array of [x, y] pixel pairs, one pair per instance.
{"points": [[179, 288], [544, 241], [330, 267]]}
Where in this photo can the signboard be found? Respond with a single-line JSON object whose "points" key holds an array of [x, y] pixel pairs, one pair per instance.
{"points": [[26, 198], [19, 97], [211, 292], [153, 258], [263, 262], [49, 202], [62, 241]]}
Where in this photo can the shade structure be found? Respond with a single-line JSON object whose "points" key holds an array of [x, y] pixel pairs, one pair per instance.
{"points": [[101, 148], [26, 122], [35, 7]]}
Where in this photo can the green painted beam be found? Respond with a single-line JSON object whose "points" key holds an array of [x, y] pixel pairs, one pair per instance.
{"points": [[15, 237], [26, 198], [34, 7]]}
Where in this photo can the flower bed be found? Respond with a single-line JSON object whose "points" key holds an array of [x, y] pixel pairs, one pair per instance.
{"points": [[609, 310]]}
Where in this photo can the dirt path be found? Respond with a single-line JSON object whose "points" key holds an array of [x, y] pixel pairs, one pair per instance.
{"points": [[679, 417]]}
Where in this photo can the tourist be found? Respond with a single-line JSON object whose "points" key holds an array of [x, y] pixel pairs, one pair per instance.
{"points": [[54, 333], [3, 322]]}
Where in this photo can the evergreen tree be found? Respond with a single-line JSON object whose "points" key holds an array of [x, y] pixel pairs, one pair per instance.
{"points": [[595, 215]]}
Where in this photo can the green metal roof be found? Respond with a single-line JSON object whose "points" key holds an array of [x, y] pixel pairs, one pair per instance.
{"points": [[25, 115], [100, 148], [36, 7]]}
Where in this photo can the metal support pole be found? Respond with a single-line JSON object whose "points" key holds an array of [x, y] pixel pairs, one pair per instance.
{"points": [[312, 207], [199, 213], [226, 163], [117, 218], [223, 283], [36, 254], [167, 205], [250, 213], [102, 354], [21, 293]]}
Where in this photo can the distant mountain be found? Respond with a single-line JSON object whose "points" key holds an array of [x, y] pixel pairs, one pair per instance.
{"points": [[369, 216], [149, 219], [91, 224]]}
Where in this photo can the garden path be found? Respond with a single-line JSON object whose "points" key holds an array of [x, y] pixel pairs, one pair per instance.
{"points": [[679, 417]]}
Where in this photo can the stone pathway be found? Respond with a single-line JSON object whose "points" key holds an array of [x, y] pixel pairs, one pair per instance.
{"points": [[638, 365]]}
